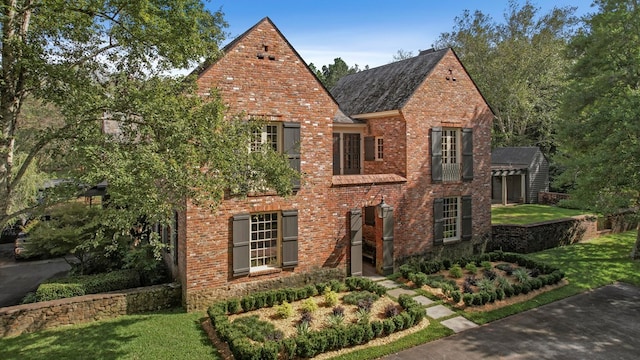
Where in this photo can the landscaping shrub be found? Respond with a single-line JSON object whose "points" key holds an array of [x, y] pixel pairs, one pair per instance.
{"points": [[418, 279], [377, 328], [47, 292], [468, 299], [330, 297], [471, 268], [455, 271], [430, 266], [507, 268], [478, 299], [354, 297], [446, 264], [233, 306], [284, 310], [389, 327], [87, 284], [289, 348], [456, 296], [398, 321], [405, 270], [391, 310], [309, 305], [270, 350], [486, 265], [521, 274], [248, 303]]}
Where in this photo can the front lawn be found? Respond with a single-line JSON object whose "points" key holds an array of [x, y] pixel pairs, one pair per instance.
{"points": [[167, 335], [529, 214]]}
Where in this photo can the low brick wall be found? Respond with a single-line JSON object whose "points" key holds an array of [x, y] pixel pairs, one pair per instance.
{"points": [[544, 235], [20, 319]]}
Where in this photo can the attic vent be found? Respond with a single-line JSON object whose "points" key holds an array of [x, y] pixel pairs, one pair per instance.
{"points": [[428, 51]]}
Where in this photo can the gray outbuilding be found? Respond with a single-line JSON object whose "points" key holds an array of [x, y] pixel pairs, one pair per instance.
{"points": [[518, 174]]}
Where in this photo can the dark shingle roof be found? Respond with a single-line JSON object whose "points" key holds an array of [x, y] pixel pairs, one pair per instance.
{"points": [[384, 88], [513, 155]]}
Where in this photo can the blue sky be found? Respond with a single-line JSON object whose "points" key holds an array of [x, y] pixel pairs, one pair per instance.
{"points": [[363, 32]]}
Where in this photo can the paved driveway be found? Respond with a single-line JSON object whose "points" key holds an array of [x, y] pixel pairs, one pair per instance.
{"points": [[17, 278], [600, 324]]}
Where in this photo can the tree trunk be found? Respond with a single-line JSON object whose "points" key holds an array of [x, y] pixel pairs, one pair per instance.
{"points": [[635, 253]]}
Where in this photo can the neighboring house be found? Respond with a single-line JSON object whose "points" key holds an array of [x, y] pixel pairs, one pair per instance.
{"points": [[518, 175], [395, 162]]}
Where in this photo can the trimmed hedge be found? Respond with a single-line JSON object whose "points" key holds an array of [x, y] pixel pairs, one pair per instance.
{"points": [[87, 284], [314, 342]]}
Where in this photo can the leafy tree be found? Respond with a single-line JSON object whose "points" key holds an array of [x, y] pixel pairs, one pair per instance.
{"points": [[330, 74], [100, 64], [518, 66], [600, 128], [402, 55], [77, 230]]}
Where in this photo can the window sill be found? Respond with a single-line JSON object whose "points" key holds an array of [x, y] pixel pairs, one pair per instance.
{"points": [[450, 241], [264, 271], [349, 180]]}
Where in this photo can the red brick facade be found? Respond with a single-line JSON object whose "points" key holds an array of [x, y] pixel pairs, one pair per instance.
{"points": [[262, 75]]}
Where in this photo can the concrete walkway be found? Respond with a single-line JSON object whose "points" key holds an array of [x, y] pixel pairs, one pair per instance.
{"points": [[434, 311]]}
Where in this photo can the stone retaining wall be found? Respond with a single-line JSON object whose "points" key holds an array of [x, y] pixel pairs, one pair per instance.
{"points": [[551, 198], [20, 319], [544, 235]]}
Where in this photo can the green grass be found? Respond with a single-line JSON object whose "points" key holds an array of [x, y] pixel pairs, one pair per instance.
{"points": [[162, 335], [178, 335], [529, 214], [588, 265]]}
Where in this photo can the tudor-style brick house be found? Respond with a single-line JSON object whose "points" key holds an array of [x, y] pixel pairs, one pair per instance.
{"points": [[415, 133]]}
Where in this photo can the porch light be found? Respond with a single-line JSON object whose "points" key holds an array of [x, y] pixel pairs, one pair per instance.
{"points": [[383, 209]]}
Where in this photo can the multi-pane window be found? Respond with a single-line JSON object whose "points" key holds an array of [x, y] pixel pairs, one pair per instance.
{"points": [[450, 155], [346, 153], [264, 237], [379, 148], [451, 218], [269, 135]]}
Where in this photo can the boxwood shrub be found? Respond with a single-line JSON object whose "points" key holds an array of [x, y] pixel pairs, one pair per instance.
{"points": [[87, 284]]}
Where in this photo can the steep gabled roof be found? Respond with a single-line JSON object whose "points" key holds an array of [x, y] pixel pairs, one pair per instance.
{"points": [[387, 87], [339, 117], [513, 155]]}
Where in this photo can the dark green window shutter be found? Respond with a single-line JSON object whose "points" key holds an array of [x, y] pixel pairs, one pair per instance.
{"points": [[467, 228], [291, 146], [369, 148], [289, 238], [356, 242], [467, 154], [438, 221], [240, 235], [436, 154]]}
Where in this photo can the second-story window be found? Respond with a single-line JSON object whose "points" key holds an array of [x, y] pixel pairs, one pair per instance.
{"points": [[347, 153], [379, 148], [451, 154], [269, 135]]}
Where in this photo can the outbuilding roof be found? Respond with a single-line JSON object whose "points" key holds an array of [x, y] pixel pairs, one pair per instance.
{"points": [[387, 87], [514, 156]]}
